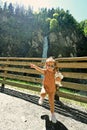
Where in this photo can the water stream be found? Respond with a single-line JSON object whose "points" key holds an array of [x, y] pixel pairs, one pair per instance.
{"points": [[45, 50], [45, 47]]}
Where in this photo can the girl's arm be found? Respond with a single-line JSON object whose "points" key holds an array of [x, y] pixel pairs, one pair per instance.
{"points": [[37, 68]]}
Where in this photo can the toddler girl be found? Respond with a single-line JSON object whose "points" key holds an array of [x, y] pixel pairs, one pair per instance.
{"points": [[50, 74]]}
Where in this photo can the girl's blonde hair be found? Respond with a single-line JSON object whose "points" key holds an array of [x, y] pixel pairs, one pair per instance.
{"points": [[50, 59]]}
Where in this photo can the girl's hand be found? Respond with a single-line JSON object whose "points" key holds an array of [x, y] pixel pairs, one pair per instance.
{"points": [[32, 65]]}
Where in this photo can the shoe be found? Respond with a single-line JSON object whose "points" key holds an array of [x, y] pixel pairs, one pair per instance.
{"points": [[40, 102], [53, 118]]}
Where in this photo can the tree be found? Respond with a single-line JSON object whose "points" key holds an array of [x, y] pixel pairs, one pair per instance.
{"points": [[5, 6], [53, 24], [11, 9]]}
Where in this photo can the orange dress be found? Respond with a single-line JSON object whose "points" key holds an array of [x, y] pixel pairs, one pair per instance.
{"points": [[49, 81]]}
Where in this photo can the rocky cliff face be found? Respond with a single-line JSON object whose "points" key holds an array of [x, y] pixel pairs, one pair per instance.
{"points": [[60, 44], [36, 45]]}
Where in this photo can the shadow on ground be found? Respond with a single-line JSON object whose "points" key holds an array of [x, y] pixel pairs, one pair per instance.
{"points": [[52, 126], [59, 106]]}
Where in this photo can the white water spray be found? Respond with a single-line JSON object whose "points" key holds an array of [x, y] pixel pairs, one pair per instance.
{"points": [[45, 47], [45, 50]]}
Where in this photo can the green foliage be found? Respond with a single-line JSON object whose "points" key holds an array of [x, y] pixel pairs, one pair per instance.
{"points": [[55, 15], [48, 20], [85, 31], [83, 25], [53, 24]]}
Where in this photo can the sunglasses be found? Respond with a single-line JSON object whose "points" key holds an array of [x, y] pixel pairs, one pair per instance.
{"points": [[51, 66]]}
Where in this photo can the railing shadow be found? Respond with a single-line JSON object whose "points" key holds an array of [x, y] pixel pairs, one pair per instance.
{"points": [[59, 106]]}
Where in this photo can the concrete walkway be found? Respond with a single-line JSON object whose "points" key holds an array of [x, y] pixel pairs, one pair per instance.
{"points": [[20, 111]]}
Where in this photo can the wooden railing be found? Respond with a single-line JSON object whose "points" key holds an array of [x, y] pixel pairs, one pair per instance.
{"points": [[13, 70], [75, 77]]}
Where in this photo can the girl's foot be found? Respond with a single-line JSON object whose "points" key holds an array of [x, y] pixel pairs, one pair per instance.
{"points": [[53, 118], [40, 102]]}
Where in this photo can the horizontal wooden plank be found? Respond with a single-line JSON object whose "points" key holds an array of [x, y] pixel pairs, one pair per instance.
{"points": [[20, 63], [22, 70], [25, 86], [75, 86], [72, 59], [40, 59], [21, 77], [21, 58], [73, 65], [73, 97], [75, 75]]}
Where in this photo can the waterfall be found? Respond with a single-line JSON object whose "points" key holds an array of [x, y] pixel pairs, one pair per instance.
{"points": [[45, 47]]}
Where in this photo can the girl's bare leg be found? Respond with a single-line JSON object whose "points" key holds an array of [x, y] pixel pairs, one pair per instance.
{"points": [[42, 96], [51, 103]]}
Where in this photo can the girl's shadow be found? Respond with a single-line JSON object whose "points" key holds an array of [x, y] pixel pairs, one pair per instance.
{"points": [[52, 126]]}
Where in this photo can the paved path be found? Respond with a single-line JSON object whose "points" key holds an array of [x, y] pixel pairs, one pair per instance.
{"points": [[19, 111]]}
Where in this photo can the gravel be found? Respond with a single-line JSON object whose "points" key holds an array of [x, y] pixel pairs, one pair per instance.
{"points": [[20, 111]]}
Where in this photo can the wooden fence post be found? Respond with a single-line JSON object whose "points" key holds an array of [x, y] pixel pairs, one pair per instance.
{"points": [[56, 95], [4, 78]]}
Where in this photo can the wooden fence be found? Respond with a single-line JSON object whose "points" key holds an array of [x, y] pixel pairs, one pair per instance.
{"points": [[13, 70]]}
